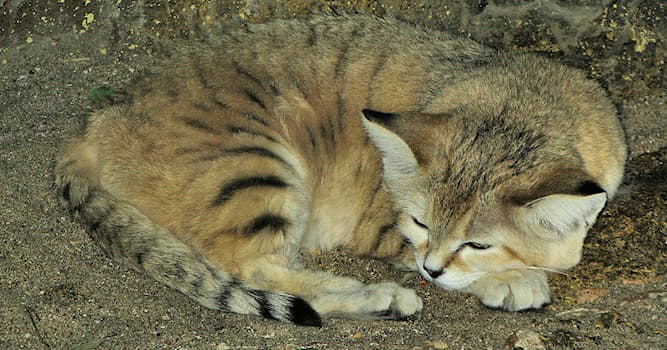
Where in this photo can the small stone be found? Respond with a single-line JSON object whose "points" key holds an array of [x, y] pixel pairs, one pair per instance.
{"points": [[314, 252], [525, 339], [436, 344], [660, 296], [607, 319], [591, 295], [579, 313], [357, 335]]}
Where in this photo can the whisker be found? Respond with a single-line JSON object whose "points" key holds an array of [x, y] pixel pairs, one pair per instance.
{"points": [[541, 268]]}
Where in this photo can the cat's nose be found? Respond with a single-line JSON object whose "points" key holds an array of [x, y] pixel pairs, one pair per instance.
{"points": [[433, 273]]}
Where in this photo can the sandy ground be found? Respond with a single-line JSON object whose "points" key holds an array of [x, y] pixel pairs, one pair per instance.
{"points": [[58, 291]]}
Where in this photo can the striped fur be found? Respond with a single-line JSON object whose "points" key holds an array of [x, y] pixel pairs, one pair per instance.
{"points": [[432, 152], [129, 236]]}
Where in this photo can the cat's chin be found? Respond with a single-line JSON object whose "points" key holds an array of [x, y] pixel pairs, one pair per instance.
{"points": [[453, 285], [447, 282]]}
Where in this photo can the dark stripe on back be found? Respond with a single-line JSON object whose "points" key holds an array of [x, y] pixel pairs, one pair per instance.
{"points": [[275, 89], [270, 221], [256, 118], [381, 63], [312, 36], [344, 57], [220, 102], [207, 86], [233, 129], [186, 150], [258, 151], [194, 123], [244, 72], [254, 98], [202, 107], [228, 190], [202, 76]]}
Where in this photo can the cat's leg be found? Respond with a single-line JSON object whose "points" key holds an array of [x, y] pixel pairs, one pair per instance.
{"points": [[513, 290], [332, 295]]}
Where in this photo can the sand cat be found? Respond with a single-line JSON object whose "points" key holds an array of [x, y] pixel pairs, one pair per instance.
{"points": [[479, 169]]}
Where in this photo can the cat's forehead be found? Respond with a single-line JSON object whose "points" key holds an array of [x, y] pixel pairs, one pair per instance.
{"points": [[446, 205]]}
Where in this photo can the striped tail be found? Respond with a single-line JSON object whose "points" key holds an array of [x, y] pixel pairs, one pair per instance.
{"points": [[129, 236]]}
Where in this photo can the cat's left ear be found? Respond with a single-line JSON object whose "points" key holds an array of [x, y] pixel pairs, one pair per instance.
{"points": [[559, 216], [399, 161]]}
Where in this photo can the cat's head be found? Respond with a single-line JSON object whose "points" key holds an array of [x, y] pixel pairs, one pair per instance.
{"points": [[483, 198]]}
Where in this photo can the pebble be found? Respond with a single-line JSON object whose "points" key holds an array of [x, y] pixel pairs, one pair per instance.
{"points": [[525, 339]]}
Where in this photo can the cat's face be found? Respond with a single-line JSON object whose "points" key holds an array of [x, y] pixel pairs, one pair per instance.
{"points": [[463, 226], [454, 248]]}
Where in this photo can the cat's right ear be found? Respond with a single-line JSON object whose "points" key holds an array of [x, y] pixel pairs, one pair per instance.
{"points": [[399, 161], [561, 214]]}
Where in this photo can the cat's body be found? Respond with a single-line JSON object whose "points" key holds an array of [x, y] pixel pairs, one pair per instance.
{"points": [[240, 152]]}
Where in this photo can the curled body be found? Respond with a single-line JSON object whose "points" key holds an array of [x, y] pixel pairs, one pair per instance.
{"points": [[431, 152]]}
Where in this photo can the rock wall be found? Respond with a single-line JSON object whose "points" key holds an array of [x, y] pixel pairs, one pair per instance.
{"points": [[620, 43]]}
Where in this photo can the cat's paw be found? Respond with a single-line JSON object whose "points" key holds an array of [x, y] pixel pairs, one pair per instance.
{"points": [[390, 301], [513, 290]]}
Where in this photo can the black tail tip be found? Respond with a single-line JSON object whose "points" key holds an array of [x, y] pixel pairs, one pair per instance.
{"points": [[65, 194], [302, 314]]}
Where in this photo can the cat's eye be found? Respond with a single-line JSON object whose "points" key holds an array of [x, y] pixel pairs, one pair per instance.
{"points": [[476, 245], [419, 223]]}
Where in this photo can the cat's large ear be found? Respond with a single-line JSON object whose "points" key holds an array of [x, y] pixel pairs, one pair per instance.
{"points": [[558, 216], [399, 161]]}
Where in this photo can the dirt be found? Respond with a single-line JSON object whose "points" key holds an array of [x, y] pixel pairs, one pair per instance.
{"points": [[58, 291]]}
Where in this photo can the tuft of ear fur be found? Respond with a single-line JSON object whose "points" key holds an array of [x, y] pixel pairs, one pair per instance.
{"points": [[557, 216], [399, 161]]}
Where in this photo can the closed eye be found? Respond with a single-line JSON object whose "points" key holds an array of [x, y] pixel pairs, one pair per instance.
{"points": [[419, 223], [476, 245]]}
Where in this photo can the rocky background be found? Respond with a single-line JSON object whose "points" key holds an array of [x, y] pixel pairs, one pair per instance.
{"points": [[58, 291]]}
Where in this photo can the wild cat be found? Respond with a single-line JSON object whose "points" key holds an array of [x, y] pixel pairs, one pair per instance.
{"points": [[479, 169]]}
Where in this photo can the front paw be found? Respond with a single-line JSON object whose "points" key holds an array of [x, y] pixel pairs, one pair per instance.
{"points": [[513, 290], [390, 301]]}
